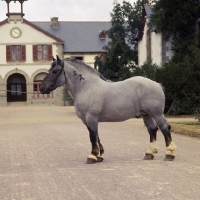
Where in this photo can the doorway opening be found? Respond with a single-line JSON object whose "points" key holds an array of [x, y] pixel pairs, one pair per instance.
{"points": [[16, 86]]}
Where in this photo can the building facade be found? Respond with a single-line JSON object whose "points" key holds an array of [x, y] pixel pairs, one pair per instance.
{"points": [[152, 45], [27, 49]]}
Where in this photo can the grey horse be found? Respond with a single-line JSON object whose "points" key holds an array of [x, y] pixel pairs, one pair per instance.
{"points": [[98, 100]]}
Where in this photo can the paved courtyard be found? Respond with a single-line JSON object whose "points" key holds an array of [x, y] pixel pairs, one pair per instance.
{"points": [[43, 152]]}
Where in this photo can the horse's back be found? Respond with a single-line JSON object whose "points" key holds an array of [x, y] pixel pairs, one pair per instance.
{"points": [[150, 93], [125, 99], [146, 87], [137, 86], [119, 101]]}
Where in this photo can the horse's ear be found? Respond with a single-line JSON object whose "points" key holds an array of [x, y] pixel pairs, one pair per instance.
{"points": [[53, 58], [58, 59]]}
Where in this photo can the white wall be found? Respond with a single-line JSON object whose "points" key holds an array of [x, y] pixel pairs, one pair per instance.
{"points": [[160, 49], [142, 48], [88, 58], [29, 37], [156, 48], [29, 34]]}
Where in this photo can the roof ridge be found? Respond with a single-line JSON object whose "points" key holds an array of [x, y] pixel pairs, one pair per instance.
{"points": [[42, 30]]}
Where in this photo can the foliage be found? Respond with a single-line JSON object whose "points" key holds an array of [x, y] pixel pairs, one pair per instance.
{"points": [[178, 20], [180, 76], [147, 70], [116, 64], [189, 128], [122, 51], [133, 16], [67, 97], [197, 115]]}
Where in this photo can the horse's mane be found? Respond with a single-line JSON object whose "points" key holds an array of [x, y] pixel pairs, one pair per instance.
{"points": [[79, 64]]}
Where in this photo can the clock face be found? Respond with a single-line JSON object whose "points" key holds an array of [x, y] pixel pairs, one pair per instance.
{"points": [[15, 32]]}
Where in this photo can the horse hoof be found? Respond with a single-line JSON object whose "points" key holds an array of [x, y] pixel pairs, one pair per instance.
{"points": [[99, 159], [148, 156], [90, 161], [169, 158]]}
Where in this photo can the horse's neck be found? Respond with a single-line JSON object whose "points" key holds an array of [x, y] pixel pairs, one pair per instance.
{"points": [[78, 80]]}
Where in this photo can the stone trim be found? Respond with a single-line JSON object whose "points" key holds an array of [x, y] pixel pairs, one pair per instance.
{"points": [[36, 73], [19, 71]]}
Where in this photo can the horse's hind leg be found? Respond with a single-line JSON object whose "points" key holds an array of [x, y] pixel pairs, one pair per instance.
{"points": [[165, 128], [152, 129], [100, 147]]}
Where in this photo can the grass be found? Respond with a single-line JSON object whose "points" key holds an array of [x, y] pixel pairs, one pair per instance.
{"points": [[186, 128]]}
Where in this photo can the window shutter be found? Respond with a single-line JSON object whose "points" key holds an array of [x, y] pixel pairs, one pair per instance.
{"points": [[8, 53], [23, 48], [35, 53], [49, 56]]}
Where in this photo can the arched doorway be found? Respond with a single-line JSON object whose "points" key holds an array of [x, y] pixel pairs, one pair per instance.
{"points": [[16, 86]]}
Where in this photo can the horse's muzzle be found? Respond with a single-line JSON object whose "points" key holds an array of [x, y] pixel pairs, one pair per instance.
{"points": [[45, 91]]}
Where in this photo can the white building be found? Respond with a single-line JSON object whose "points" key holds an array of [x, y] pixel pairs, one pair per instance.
{"points": [[26, 54], [152, 45]]}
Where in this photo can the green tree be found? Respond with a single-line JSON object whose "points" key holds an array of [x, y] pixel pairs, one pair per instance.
{"points": [[147, 70], [67, 98], [179, 20], [117, 62], [180, 76], [133, 15]]}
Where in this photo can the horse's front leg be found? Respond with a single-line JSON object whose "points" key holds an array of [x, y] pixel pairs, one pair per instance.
{"points": [[97, 148]]}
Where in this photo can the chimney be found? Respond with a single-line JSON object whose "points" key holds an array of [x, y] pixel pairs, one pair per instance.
{"points": [[54, 23]]}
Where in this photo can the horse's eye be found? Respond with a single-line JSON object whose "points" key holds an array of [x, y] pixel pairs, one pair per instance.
{"points": [[55, 71]]}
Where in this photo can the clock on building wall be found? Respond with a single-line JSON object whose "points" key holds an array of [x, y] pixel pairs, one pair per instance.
{"points": [[15, 32]]}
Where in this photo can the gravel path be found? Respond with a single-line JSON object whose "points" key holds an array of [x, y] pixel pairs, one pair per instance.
{"points": [[43, 152]]}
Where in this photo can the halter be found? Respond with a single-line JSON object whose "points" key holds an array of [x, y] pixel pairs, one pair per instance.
{"points": [[62, 69]]}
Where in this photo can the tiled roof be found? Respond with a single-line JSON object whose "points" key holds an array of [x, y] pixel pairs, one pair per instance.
{"points": [[43, 31], [148, 9], [79, 36]]}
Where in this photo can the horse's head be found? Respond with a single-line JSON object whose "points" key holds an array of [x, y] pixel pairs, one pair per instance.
{"points": [[55, 78]]}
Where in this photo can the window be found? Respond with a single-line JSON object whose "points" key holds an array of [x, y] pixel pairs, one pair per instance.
{"points": [[15, 53], [78, 57], [36, 87], [37, 94], [16, 87], [42, 52], [148, 45], [102, 35]]}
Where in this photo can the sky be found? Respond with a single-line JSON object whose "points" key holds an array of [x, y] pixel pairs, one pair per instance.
{"points": [[65, 10]]}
